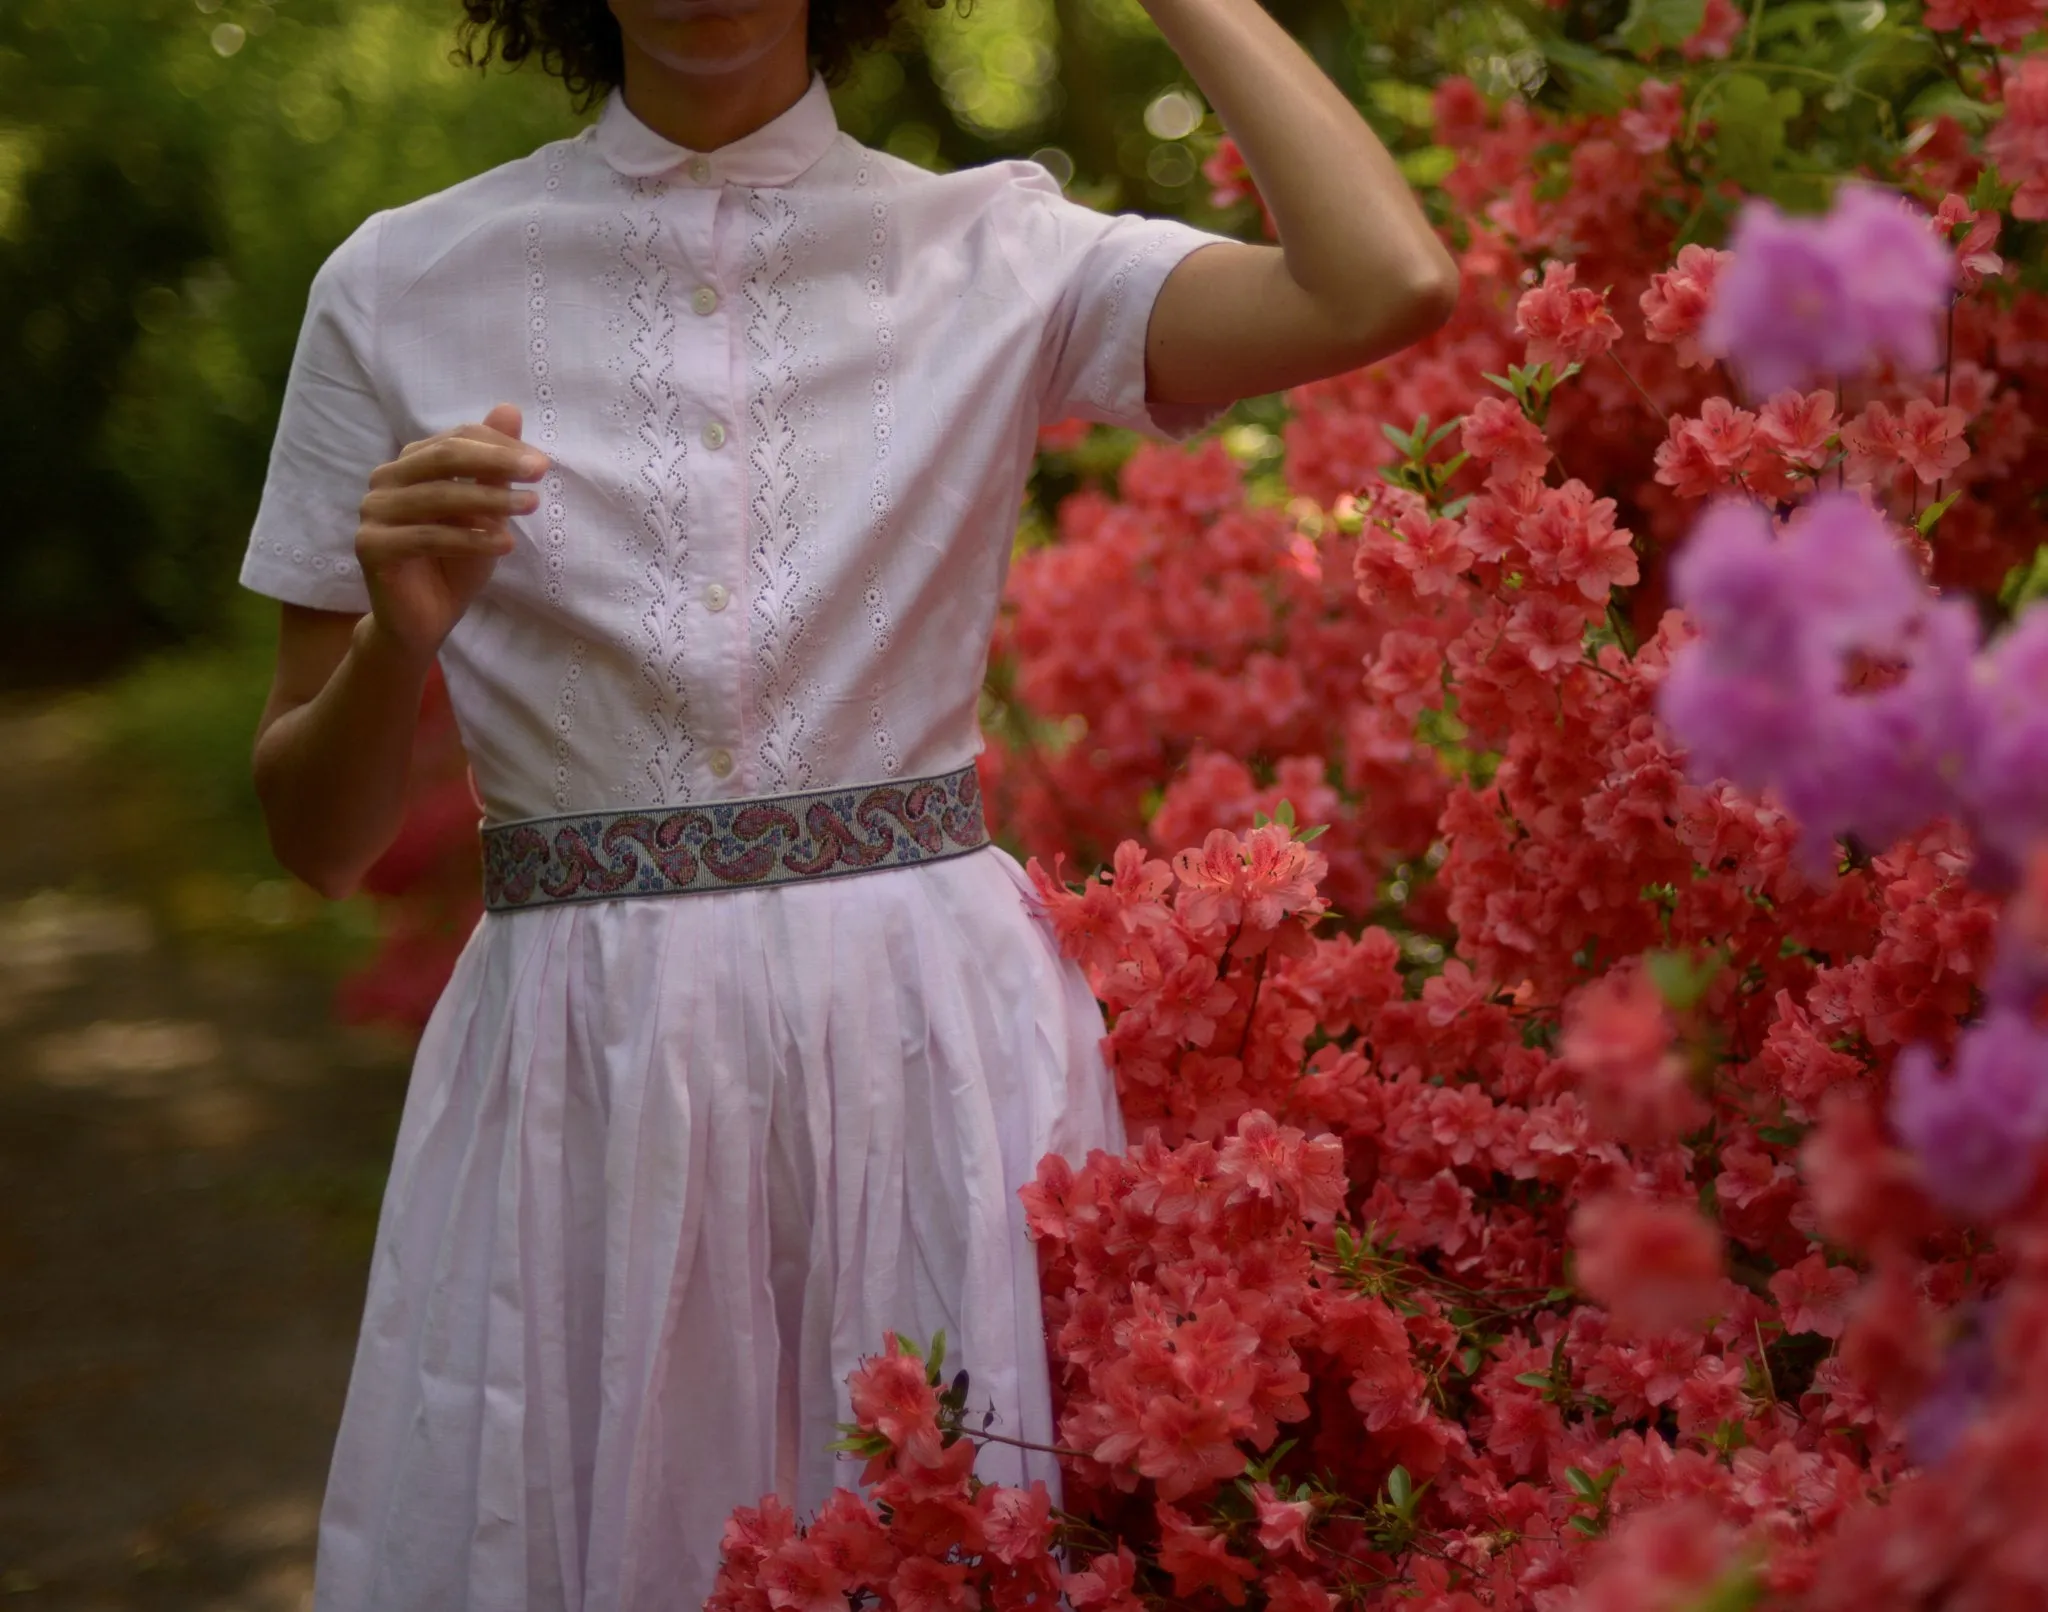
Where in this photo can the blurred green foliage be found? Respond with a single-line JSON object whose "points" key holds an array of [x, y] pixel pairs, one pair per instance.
{"points": [[172, 172]]}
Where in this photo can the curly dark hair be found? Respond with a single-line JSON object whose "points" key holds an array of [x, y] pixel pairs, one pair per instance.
{"points": [[578, 40]]}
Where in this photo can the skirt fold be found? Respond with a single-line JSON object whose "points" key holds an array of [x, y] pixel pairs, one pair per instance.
{"points": [[668, 1170]]}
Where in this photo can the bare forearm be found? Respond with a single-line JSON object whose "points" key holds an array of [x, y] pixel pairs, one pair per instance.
{"points": [[331, 773], [1346, 217]]}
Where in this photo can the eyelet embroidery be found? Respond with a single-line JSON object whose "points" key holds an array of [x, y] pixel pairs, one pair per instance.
{"points": [[662, 492], [883, 426], [1113, 319], [776, 502], [553, 503]]}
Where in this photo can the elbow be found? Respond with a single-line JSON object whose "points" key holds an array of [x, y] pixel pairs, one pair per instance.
{"points": [[309, 863], [325, 875], [1432, 296], [330, 884], [1416, 305]]}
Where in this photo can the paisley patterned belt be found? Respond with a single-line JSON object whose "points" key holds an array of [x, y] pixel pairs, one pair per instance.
{"points": [[731, 844]]}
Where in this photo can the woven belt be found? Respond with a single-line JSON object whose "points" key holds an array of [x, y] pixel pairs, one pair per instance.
{"points": [[732, 844]]}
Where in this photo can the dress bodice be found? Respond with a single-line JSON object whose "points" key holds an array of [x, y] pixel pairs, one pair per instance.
{"points": [[790, 390]]}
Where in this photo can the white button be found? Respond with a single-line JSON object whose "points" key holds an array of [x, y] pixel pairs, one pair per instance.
{"points": [[699, 169], [714, 434], [715, 597], [721, 763], [703, 300]]}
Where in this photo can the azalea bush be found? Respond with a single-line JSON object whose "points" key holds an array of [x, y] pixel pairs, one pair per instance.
{"points": [[1558, 823]]}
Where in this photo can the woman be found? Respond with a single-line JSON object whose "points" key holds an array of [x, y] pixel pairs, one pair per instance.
{"points": [[691, 448]]}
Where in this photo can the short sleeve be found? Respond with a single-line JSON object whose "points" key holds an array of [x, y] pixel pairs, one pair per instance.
{"points": [[331, 433], [1096, 276]]}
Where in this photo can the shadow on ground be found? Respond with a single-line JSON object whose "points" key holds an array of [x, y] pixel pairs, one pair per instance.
{"points": [[190, 1156]]}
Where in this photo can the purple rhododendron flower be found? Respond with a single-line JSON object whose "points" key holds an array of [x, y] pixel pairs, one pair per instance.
{"points": [[1728, 578], [1898, 273], [2007, 791], [1807, 300], [1978, 1133], [1762, 699], [1961, 1390], [1894, 758], [1848, 576], [1779, 309]]}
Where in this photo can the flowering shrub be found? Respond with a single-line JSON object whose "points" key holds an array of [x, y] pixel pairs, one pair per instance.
{"points": [[1599, 1169]]}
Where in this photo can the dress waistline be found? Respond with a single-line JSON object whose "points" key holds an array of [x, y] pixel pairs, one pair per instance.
{"points": [[744, 844]]}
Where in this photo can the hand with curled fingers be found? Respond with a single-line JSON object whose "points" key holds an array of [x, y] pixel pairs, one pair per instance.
{"points": [[436, 521]]}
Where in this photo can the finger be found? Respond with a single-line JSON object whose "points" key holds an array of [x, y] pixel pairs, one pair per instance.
{"points": [[453, 457], [505, 418], [384, 545], [445, 503]]}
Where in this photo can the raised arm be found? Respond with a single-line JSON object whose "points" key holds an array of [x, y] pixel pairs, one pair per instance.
{"points": [[1358, 272], [334, 744]]}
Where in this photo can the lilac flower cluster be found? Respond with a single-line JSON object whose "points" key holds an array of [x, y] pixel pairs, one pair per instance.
{"points": [[1767, 697], [1807, 300], [1977, 1131], [1828, 672]]}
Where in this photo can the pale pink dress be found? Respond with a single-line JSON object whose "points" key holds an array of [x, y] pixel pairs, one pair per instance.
{"points": [[669, 1166]]}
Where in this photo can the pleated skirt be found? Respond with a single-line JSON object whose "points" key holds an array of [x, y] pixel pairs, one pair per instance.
{"points": [[668, 1168]]}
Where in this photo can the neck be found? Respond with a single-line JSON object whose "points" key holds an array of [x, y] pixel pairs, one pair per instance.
{"points": [[703, 111]]}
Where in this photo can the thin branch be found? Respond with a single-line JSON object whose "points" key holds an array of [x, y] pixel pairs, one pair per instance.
{"points": [[1025, 1444], [1948, 386], [1655, 406]]}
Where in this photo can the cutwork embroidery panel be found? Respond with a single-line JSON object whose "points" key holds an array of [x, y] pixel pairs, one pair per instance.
{"points": [[660, 492], [776, 512]]}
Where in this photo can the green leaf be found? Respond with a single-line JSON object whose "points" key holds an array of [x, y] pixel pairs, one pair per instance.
{"points": [[1308, 836], [1930, 517], [1535, 1379], [2026, 583], [1749, 127], [1428, 166], [1400, 439], [1991, 194], [1658, 25], [1400, 1488], [1284, 813], [1599, 83], [938, 1357], [1942, 99], [1411, 104], [1782, 1135], [1737, 1590], [1682, 979], [1582, 1483]]}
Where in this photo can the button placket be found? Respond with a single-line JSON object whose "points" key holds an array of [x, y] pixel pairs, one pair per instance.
{"points": [[706, 380]]}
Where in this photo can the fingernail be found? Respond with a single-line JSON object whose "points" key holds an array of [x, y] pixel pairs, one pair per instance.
{"points": [[533, 464]]}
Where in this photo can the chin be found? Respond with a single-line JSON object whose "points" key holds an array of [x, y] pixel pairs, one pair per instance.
{"points": [[705, 38]]}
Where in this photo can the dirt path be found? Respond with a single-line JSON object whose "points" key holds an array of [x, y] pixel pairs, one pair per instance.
{"points": [[189, 1159]]}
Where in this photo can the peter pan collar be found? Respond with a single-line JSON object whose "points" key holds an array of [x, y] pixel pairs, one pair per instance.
{"points": [[777, 153]]}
